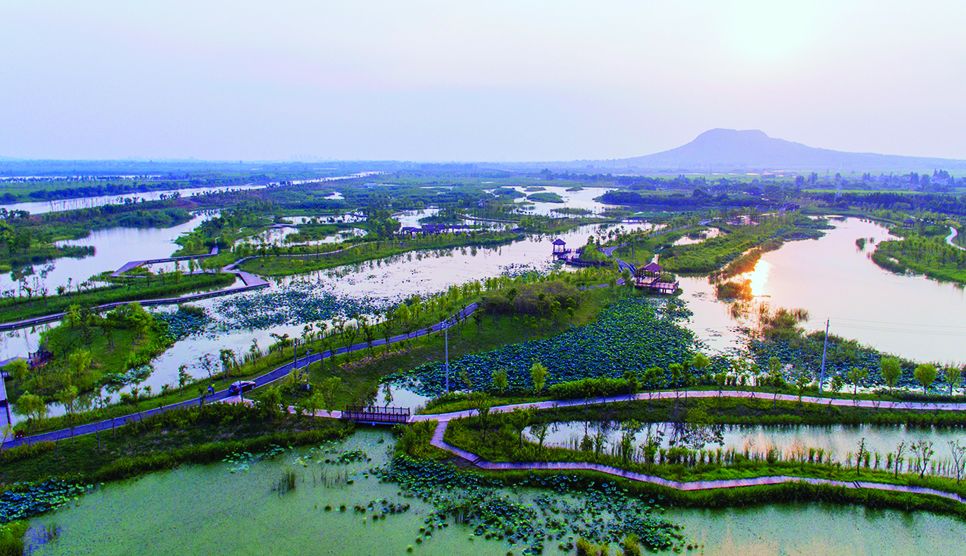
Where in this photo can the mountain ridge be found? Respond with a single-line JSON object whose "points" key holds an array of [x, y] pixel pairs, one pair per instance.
{"points": [[732, 150]]}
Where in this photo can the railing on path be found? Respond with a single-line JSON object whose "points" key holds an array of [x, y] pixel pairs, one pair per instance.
{"points": [[377, 415]]}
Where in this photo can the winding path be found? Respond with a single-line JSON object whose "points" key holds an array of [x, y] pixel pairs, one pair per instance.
{"points": [[262, 380], [444, 419], [950, 239]]}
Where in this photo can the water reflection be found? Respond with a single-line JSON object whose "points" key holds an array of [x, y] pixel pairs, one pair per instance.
{"points": [[41, 207], [112, 248], [910, 316]]}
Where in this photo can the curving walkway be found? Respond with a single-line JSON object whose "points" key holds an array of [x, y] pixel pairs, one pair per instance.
{"points": [[472, 458], [950, 239], [670, 394], [131, 265], [262, 380]]}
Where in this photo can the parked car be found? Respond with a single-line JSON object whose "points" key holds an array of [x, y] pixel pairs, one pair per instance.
{"points": [[241, 386]]}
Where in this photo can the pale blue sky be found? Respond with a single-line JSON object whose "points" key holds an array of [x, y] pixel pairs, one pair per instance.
{"points": [[494, 80]]}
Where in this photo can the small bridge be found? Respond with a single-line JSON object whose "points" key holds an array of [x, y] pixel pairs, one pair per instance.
{"points": [[377, 415]]}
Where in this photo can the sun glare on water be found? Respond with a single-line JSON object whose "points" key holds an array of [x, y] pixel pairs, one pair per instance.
{"points": [[759, 278]]}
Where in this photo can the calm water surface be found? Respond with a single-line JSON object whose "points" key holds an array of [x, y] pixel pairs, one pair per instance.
{"points": [[41, 207], [839, 440], [832, 278], [112, 248], [210, 510]]}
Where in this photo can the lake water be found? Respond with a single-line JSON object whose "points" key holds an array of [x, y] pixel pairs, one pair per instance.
{"points": [[208, 509], [41, 207], [423, 272], [839, 440], [112, 248], [794, 276], [583, 199], [832, 278]]}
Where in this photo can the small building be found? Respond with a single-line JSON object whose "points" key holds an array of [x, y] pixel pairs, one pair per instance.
{"points": [[560, 247], [655, 285], [651, 269], [39, 358]]}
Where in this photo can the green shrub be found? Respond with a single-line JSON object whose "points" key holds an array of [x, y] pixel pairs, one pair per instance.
{"points": [[590, 388], [11, 538]]}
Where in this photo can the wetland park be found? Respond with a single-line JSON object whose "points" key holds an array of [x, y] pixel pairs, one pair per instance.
{"points": [[382, 278], [485, 366]]}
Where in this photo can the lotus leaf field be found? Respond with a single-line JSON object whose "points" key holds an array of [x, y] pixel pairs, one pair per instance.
{"points": [[297, 303], [183, 322], [602, 513], [843, 356], [21, 500], [632, 334]]}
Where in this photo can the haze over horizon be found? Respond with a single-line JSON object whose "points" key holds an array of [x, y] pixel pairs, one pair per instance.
{"points": [[509, 81]]}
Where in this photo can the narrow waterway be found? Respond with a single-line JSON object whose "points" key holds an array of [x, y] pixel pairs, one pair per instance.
{"points": [[112, 248], [837, 440], [234, 508], [834, 278], [41, 207]]}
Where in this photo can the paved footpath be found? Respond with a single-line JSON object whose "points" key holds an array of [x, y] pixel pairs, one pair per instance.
{"points": [[223, 395], [836, 402], [249, 282], [478, 461]]}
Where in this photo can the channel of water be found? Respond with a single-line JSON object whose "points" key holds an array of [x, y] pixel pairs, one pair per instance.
{"points": [[208, 509]]}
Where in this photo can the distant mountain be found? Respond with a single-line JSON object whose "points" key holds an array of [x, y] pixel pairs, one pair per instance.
{"points": [[731, 150]]}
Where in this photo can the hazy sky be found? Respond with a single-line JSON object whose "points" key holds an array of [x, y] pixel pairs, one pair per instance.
{"points": [[493, 80]]}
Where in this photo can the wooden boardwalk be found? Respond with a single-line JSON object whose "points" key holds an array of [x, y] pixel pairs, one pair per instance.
{"points": [[443, 420], [249, 282], [131, 265]]}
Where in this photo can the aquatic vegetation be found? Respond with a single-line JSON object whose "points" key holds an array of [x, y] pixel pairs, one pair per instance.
{"points": [[734, 290], [545, 197], [132, 376], [927, 255], [347, 457], [242, 461], [296, 303], [602, 512], [24, 500], [286, 483], [184, 322], [631, 334], [805, 352]]}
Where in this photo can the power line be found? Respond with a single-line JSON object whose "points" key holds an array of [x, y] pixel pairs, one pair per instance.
{"points": [[900, 323]]}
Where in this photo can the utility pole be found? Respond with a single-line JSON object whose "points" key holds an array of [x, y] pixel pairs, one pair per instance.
{"points": [[821, 376], [446, 351]]}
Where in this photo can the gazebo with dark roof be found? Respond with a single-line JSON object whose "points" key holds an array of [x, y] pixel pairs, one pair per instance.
{"points": [[651, 268], [559, 247]]}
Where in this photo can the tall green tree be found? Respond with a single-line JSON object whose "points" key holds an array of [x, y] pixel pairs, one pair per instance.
{"points": [[500, 381], [856, 376], [31, 405], [953, 376], [891, 370], [538, 375], [925, 374]]}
